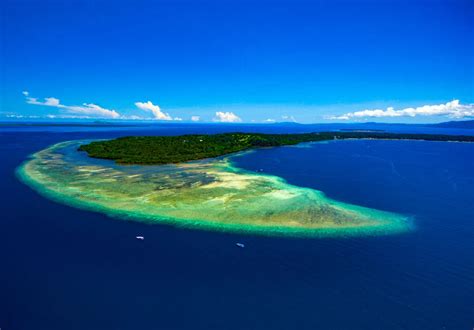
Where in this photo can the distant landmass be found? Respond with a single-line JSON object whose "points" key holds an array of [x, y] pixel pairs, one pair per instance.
{"points": [[69, 124], [365, 126], [468, 124], [462, 124]]}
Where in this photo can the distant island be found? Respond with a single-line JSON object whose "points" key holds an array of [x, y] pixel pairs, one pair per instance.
{"points": [[97, 123], [150, 150], [464, 124]]}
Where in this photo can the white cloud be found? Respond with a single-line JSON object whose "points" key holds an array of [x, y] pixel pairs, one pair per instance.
{"points": [[49, 101], [133, 117], [195, 118], [85, 110], [155, 109], [269, 120], [226, 117], [17, 116], [453, 109], [60, 116], [89, 109], [178, 118], [288, 118]]}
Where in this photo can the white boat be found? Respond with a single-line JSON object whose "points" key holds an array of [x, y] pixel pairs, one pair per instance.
{"points": [[140, 237], [240, 245]]}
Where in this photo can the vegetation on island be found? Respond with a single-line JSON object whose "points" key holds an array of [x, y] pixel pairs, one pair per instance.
{"points": [[177, 149]]}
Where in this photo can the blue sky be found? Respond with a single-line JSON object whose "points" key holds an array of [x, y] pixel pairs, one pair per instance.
{"points": [[308, 61]]}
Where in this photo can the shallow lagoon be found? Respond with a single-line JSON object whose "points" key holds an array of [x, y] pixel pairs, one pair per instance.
{"points": [[210, 194]]}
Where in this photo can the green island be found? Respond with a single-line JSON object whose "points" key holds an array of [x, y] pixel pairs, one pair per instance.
{"points": [[179, 149], [186, 184]]}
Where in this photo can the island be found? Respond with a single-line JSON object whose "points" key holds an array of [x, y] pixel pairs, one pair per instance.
{"points": [[192, 181], [179, 149]]}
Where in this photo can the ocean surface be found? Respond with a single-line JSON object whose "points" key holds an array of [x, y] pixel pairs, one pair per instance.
{"points": [[65, 268]]}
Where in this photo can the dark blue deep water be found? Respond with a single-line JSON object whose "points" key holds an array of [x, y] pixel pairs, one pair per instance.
{"points": [[64, 268]]}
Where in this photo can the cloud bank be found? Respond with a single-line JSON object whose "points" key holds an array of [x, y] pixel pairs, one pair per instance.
{"points": [[155, 109], [226, 117], [82, 111], [195, 118], [453, 109]]}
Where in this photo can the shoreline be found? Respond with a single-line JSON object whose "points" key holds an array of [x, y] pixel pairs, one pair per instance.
{"points": [[387, 223]]}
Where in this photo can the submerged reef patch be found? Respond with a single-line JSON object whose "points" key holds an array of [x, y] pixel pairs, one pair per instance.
{"points": [[210, 194]]}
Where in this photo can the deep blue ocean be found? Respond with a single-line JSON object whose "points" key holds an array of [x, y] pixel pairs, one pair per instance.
{"points": [[64, 268]]}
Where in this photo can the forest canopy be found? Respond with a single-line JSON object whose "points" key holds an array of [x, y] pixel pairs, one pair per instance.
{"points": [[177, 149]]}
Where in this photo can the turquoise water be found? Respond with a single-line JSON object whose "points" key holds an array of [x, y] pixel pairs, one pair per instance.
{"points": [[211, 194]]}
